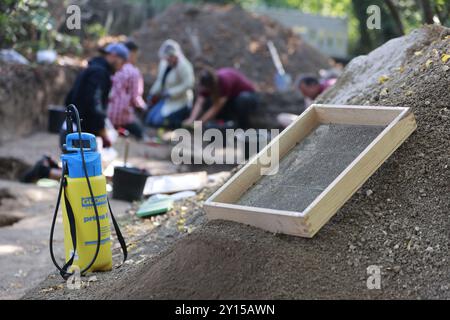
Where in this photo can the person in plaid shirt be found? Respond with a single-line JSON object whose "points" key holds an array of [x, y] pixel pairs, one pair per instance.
{"points": [[126, 95]]}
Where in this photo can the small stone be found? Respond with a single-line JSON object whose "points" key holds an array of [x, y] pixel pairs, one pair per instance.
{"points": [[384, 92], [382, 79], [369, 192], [429, 249]]}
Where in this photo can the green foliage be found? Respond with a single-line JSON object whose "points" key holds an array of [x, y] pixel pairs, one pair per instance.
{"points": [[96, 31], [27, 26]]}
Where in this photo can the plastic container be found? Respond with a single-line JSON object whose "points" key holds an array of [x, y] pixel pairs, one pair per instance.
{"points": [[129, 183], [79, 197]]}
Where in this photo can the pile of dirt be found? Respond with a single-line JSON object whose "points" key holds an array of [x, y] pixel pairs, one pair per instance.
{"points": [[397, 221], [25, 94], [227, 36]]}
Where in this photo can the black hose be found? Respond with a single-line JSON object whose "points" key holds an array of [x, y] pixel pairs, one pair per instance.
{"points": [[64, 272], [52, 228]]}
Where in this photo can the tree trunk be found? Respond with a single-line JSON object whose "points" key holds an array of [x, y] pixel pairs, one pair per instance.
{"points": [[395, 16], [427, 12], [442, 12], [365, 41]]}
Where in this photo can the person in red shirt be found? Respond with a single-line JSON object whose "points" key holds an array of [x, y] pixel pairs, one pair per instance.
{"points": [[224, 94]]}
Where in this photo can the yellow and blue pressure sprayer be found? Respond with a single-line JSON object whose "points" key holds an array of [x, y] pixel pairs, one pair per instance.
{"points": [[87, 232]]}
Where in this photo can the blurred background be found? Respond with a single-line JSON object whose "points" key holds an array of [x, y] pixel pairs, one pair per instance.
{"points": [[28, 25]]}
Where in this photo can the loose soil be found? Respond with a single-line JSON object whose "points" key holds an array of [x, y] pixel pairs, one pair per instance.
{"points": [[310, 167], [398, 221]]}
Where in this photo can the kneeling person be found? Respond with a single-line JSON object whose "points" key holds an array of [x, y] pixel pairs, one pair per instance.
{"points": [[172, 93], [224, 94]]}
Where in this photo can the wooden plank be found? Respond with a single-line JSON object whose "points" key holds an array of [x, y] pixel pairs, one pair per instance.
{"points": [[277, 223], [335, 196], [361, 115], [175, 182]]}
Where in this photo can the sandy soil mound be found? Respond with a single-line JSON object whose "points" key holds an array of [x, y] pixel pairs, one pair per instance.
{"points": [[224, 36], [231, 261], [401, 224]]}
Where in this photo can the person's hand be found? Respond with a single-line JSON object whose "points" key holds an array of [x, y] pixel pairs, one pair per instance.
{"points": [[141, 110], [188, 123]]}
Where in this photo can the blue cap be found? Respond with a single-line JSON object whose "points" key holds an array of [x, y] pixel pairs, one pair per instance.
{"points": [[118, 49]]}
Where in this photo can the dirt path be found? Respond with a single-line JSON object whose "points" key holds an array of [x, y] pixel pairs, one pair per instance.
{"points": [[24, 255]]}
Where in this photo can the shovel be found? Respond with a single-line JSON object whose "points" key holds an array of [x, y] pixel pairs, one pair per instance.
{"points": [[125, 134], [282, 80]]}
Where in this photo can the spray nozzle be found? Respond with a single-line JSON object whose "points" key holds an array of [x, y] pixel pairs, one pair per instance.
{"points": [[69, 120]]}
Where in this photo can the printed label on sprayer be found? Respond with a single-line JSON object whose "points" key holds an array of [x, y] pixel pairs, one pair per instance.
{"points": [[94, 218], [99, 200]]}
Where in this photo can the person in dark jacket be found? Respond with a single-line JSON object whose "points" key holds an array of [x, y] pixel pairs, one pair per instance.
{"points": [[91, 89], [90, 95]]}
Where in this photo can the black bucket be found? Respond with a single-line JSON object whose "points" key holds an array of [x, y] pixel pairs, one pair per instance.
{"points": [[56, 117], [129, 183]]}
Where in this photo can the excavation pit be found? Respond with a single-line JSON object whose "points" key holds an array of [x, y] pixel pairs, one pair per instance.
{"points": [[12, 168]]}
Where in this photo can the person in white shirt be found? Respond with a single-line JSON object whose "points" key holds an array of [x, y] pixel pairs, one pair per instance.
{"points": [[171, 95]]}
